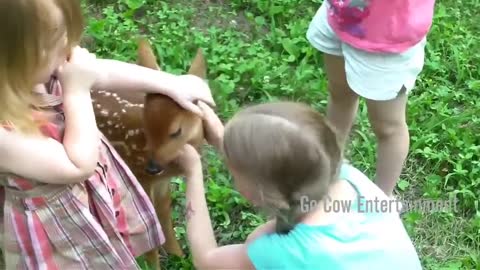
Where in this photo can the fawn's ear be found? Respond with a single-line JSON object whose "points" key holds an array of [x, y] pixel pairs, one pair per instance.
{"points": [[145, 56], [199, 66]]}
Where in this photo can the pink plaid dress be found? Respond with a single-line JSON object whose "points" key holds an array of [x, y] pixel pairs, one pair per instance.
{"points": [[102, 223]]}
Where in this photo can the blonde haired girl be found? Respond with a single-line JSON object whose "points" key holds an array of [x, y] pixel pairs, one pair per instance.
{"points": [[68, 199]]}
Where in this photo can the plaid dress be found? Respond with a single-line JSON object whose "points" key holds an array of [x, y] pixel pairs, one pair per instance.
{"points": [[102, 223]]}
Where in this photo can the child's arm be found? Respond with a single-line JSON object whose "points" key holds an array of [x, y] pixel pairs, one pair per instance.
{"points": [[206, 254], [46, 160], [42, 159], [184, 89]]}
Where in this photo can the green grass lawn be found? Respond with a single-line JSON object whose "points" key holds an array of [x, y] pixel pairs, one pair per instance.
{"points": [[257, 51]]}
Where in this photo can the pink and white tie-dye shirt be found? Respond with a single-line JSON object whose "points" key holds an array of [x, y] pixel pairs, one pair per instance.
{"points": [[390, 26]]}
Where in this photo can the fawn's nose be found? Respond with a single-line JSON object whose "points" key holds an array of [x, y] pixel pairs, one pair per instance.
{"points": [[153, 167]]}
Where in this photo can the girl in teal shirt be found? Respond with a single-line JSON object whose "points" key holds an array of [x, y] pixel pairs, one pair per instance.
{"points": [[285, 158]]}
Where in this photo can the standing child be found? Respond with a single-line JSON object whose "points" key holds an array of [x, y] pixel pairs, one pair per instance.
{"points": [[68, 200], [373, 49], [286, 158]]}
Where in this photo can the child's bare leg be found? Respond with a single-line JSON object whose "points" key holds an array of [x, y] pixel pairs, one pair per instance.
{"points": [[342, 102], [388, 121]]}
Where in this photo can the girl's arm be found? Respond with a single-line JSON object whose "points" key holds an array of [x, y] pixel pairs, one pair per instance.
{"points": [[47, 160], [206, 254], [184, 89]]}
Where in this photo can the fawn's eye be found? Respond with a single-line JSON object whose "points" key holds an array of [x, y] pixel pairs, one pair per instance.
{"points": [[176, 133]]}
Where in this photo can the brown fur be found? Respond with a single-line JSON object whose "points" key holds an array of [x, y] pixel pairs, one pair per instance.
{"points": [[146, 127]]}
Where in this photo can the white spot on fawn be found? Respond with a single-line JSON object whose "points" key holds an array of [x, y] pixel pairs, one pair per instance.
{"points": [[130, 133], [104, 112], [109, 123], [124, 111]]}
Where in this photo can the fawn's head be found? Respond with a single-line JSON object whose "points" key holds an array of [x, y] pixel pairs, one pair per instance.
{"points": [[168, 126]]}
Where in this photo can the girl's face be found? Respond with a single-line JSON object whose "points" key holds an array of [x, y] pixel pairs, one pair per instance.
{"points": [[57, 51], [246, 187], [262, 197], [54, 59]]}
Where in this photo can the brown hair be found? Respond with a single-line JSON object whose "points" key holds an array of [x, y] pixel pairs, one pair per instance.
{"points": [[289, 150], [28, 31]]}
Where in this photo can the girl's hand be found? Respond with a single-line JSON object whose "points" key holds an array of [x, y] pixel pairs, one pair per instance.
{"points": [[190, 162], [79, 72], [213, 127], [188, 89]]}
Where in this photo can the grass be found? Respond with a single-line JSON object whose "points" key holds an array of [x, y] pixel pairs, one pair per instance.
{"points": [[257, 51]]}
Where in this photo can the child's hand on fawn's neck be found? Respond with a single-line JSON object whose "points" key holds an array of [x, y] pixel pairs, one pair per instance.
{"points": [[80, 72], [190, 162]]}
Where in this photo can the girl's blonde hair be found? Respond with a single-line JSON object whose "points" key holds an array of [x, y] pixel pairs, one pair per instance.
{"points": [[28, 32], [288, 150]]}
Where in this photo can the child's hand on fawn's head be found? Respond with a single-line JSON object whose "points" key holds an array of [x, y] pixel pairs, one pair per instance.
{"points": [[189, 88], [80, 72], [189, 161], [213, 127]]}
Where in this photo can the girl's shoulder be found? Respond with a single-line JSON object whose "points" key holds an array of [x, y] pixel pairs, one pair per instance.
{"points": [[359, 180]]}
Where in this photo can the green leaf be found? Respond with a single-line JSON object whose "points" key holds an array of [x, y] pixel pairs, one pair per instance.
{"points": [[260, 20], [402, 184], [134, 4]]}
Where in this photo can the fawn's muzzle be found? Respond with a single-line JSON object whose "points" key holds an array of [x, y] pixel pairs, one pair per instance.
{"points": [[153, 167]]}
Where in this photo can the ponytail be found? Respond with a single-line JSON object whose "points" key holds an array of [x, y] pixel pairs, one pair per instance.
{"points": [[286, 219]]}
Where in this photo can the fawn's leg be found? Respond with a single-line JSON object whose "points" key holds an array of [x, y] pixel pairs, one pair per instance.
{"points": [[152, 256], [163, 206], [152, 259]]}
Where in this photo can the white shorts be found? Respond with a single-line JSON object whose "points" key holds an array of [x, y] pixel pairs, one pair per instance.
{"points": [[370, 75]]}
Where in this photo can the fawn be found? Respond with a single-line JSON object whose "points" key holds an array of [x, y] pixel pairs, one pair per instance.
{"points": [[148, 130]]}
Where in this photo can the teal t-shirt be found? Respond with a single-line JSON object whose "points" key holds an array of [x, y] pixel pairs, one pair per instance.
{"points": [[369, 237]]}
